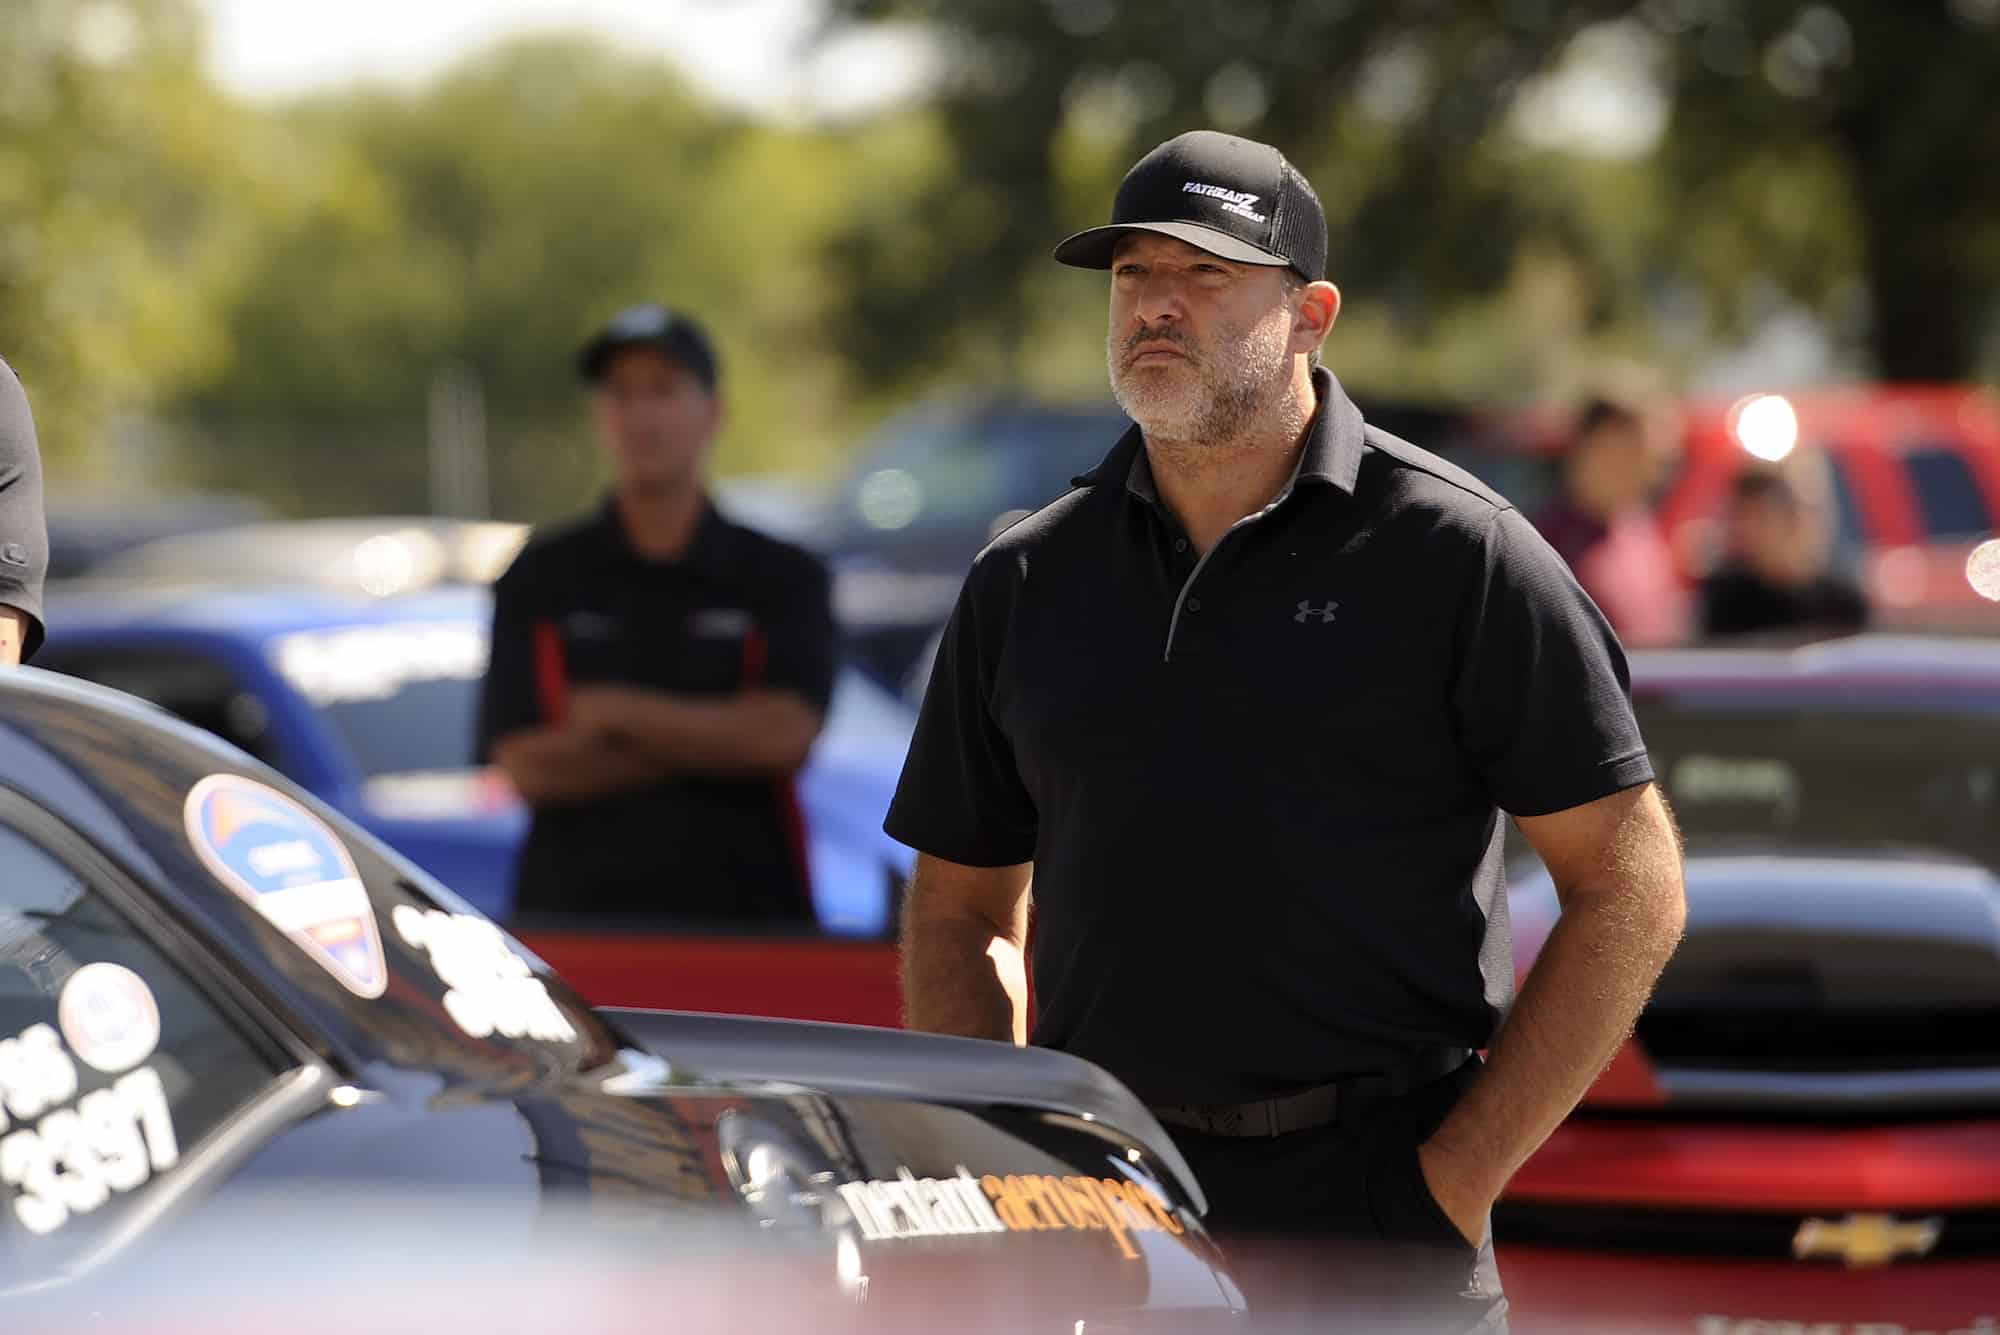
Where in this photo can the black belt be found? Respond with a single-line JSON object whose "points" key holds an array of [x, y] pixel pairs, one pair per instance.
{"points": [[1318, 1106]]}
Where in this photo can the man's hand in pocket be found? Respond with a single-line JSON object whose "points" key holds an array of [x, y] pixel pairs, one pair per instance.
{"points": [[1459, 1187]]}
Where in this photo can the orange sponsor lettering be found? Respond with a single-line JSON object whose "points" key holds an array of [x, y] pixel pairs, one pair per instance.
{"points": [[1007, 1203], [1095, 1192], [1058, 1203], [1036, 1203]]}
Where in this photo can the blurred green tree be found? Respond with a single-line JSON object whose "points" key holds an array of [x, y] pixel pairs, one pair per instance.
{"points": [[127, 189], [483, 225], [1815, 149]]}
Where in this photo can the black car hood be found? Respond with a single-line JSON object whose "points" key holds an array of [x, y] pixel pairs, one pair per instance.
{"points": [[742, 1052]]}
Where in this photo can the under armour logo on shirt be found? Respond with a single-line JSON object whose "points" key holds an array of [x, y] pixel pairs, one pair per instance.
{"points": [[1306, 609]]}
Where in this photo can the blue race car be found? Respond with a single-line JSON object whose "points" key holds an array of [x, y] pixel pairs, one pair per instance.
{"points": [[368, 702]]}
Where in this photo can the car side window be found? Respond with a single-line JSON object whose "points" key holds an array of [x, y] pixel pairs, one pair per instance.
{"points": [[1850, 534], [114, 1065], [1947, 493], [191, 686]]}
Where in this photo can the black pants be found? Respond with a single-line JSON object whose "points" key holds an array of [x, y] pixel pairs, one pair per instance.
{"points": [[1333, 1229]]}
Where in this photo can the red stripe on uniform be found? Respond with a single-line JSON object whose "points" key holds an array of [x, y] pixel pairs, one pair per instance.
{"points": [[791, 816], [551, 673]]}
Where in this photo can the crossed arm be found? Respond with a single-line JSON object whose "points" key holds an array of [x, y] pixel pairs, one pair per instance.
{"points": [[620, 737]]}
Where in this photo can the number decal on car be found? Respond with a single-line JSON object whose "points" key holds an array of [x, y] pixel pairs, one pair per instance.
{"points": [[65, 1160]]}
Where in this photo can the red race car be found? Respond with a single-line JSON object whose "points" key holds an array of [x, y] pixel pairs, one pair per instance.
{"points": [[1804, 1133]]}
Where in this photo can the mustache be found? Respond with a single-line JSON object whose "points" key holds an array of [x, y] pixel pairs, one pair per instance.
{"points": [[1162, 334]]}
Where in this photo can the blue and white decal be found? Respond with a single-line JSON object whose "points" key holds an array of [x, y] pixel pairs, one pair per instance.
{"points": [[288, 864]]}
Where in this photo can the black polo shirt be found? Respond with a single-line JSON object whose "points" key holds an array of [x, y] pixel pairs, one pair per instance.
{"points": [[1261, 789], [579, 605]]}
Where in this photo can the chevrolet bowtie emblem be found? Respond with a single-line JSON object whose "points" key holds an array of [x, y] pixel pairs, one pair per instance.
{"points": [[1866, 1239]]}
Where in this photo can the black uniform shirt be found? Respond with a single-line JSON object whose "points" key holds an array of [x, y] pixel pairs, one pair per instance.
{"points": [[740, 609], [24, 539], [1261, 788]]}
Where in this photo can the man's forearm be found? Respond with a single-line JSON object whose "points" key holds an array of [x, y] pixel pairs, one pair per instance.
{"points": [[962, 973], [1577, 1006], [753, 732], [561, 766]]}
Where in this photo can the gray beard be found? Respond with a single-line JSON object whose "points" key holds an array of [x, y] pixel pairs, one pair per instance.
{"points": [[1235, 395]]}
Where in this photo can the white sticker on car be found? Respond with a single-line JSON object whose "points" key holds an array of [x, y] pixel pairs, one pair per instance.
{"points": [[109, 1017], [291, 866], [61, 1156], [75, 1159], [35, 1074], [489, 989]]}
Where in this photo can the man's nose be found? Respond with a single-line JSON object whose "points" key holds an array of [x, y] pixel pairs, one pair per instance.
{"points": [[1160, 299]]}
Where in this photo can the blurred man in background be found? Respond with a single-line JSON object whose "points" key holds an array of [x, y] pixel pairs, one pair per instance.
{"points": [[24, 541], [659, 673], [1775, 574], [1602, 525]]}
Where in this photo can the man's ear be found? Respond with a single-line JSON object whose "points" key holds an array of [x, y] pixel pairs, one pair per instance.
{"points": [[1319, 307]]}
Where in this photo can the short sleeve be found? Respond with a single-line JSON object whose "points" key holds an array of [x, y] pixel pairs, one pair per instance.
{"points": [[24, 538], [507, 700], [961, 797], [1543, 695], [803, 643]]}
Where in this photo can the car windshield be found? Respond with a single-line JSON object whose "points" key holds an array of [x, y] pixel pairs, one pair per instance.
{"points": [[1832, 770], [401, 695]]}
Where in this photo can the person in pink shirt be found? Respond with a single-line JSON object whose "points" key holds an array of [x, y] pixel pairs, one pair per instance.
{"points": [[1602, 524]]}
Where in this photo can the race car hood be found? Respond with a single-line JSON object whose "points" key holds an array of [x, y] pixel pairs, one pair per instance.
{"points": [[738, 1051], [1820, 982]]}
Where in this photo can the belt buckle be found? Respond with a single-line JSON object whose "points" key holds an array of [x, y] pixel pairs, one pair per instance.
{"points": [[1258, 1118]]}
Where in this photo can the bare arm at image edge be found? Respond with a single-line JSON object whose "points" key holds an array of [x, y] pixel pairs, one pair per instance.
{"points": [[1616, 863], [24, 542], [964, 933], [13, 632]]}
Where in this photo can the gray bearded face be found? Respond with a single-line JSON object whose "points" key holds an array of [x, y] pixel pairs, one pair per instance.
{"points": [[1211, 394]]}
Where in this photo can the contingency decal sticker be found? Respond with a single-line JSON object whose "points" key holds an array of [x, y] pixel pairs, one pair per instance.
{"points": [[61, 1156], [292, 867], [108, 1017], [965, 1206], [489, 988]]}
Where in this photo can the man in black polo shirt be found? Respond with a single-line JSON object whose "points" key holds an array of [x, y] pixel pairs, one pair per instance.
{"points": [[658, 673], [1248, 705]]}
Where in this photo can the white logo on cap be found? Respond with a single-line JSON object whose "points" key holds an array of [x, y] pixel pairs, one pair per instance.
{"points": [[1235, 201]]}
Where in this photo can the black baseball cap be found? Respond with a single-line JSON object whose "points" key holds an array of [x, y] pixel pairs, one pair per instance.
{"points": [[652, 325], [1231, 197]]}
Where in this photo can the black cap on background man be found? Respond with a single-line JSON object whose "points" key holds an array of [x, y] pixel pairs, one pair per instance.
{"points": [[651, 325]]}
